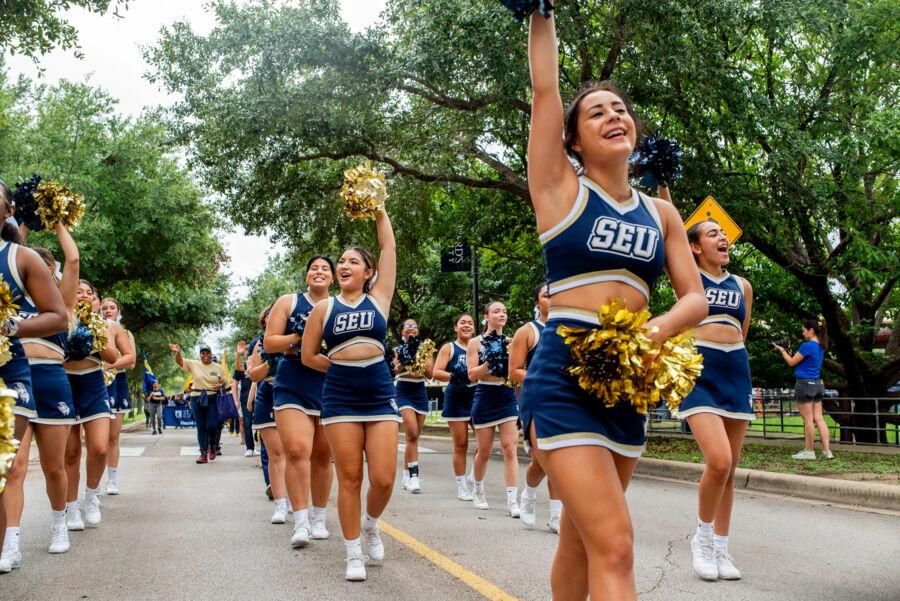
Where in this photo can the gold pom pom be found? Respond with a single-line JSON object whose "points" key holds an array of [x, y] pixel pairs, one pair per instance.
{"points": [[94, 323], [423, 354], [57, 204], [8, 310], [364, 192], [618, 362], [109, 376], [8, 443]]}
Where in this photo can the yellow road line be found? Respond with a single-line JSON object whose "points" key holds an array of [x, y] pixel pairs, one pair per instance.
{"points": [[482, 586]]}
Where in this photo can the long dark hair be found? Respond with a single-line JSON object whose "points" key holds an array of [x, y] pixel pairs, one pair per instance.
{"points": [[315, 258], [369, 260], [8, 232], [693, 235], [818, 328], [571, 116]]}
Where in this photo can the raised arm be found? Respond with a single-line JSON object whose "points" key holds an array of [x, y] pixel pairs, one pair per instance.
{"points": [[684, 275], [551, 179], [239, 352], [275, 340], [311, 344], [71, 267], [518, 352], [383, 289], [177, 350]]}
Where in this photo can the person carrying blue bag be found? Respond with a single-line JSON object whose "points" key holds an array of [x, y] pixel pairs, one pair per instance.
{"points": [[207, 379]]}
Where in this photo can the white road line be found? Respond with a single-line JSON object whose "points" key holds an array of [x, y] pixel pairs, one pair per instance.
{"points": [[189, 451], [402, 447]]}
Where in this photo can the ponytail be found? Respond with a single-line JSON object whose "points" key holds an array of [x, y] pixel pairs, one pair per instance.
{"points": [[818, 327], [10, 233]]}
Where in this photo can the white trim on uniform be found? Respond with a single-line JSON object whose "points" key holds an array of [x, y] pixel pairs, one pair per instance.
{"points": [[353, 342], [309, 412], [341, 419], [578, 439], [596, 277], [619, 207], [574, 314], [263, 426], [411, 408], [716, 411], [496, 422], [574, 213], [456, 419], [359, 362], [720, 346], [722, 318]]}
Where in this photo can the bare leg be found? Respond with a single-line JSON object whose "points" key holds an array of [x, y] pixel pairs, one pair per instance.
{"points": [[276, 461], [296, 431], [321, 469], [460, 433], [509, 438], [381, 465], [51, 442], [819, 419], [14, 495], [712, 437], [736, 430], [96, 442], [412, 429], [485, 438], [809, 428], [347, 441], [73, 463], [115, 429]]}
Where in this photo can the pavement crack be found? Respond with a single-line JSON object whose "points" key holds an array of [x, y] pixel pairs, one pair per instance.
{"points": [[670, 564]]}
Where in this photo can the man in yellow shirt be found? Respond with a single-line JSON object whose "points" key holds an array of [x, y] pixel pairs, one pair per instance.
{"points": [[207, 377]]}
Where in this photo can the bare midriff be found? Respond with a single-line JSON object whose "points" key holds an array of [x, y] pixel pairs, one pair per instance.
{"points": [[39, 351], [81, 364], [358, 352], [591, 297], [721, 333]]}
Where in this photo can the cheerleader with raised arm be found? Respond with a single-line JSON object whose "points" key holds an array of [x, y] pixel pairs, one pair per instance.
{"points": [[450, 366], [603, 242], [359, 408]]}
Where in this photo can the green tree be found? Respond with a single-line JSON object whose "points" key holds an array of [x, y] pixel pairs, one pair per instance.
{"points": [[785, 109], [35, 27]]}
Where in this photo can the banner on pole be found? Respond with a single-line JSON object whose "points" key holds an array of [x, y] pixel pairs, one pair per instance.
{"points": [[456, 258]]}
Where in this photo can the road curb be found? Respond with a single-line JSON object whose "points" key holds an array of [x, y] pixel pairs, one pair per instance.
{"points": [[868, 495]]}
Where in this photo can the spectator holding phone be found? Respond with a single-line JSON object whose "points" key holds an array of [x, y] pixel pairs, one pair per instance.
{"points": [[809, 388]]}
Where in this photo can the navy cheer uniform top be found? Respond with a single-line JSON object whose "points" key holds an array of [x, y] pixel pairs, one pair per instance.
{"points": [[725, 297], [16, 373], [458, 396], [348, 325], [602, 240], [538, 327], [296, 385]]}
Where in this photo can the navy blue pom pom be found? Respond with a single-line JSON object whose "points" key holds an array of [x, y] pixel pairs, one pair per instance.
{"points": [[523, 8], [272, 360], [656, 161], [80, 344], [494, 352], [26, 208], [406, 351], [297, 325]]}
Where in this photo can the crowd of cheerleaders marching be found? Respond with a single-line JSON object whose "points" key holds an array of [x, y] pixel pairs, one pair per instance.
{"points": [[63, 361], [326, 403]]}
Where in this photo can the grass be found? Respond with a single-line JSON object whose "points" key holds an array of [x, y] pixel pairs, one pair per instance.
{"points": [[846, 464]]}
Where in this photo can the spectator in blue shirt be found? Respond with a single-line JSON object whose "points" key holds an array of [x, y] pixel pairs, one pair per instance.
{"points": [[809, 388]]}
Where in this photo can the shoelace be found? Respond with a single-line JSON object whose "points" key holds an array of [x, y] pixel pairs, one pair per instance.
{"points": [[707, 550]]}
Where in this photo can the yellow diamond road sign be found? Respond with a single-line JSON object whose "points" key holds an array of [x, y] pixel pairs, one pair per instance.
{"points": [[710, 209]]}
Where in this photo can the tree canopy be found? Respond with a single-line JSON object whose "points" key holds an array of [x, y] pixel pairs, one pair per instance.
{"points": [[785, 110]]}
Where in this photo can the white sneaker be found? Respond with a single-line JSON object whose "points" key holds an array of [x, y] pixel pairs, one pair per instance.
{"points": [[827, 455], [10, 559], [526, 512], [478, 500], [470, 481], [704, 557], [112, 488], [356, 567], [414, 486], [553, 523], [92, 515], [280, 515], [255, 453], [725, 565], [74, 523], [463, 494], [804, 454], [301, 536], [374, 546], [319, 531], [512, 509], [248, 453], [404, 483], [59, 539]]}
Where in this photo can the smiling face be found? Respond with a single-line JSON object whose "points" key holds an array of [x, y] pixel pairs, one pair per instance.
{"points": [[205, 357], [496, 316], [465, 327], [352, 271], [604, 128], [84, 292], [711, 247], [110, 310], [410, 329], [319, 275]]}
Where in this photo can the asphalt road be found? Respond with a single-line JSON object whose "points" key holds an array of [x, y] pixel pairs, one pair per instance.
{"points": [[202, 532]]}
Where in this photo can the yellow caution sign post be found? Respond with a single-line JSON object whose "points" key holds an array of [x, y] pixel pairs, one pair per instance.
{"points": [[710, 209]]}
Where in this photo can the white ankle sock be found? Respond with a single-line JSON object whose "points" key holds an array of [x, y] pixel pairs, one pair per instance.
{"points": [[317, 514], [59, 517], [301, 516], [12, 537], [720, 542], [112, 473], [369, 522], [529, 492], [72, 506], [555, 506], [704, 528], [90, 493], [512, 494], [479, 486], [354, 547], [281, 504]]}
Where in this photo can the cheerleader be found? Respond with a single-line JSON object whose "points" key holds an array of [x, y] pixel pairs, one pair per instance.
{"points": [[720, 406], [602, 240], [298, 405], [92, 412], [261, 369], [413, 402], [494, 406], [450, 366], [521, 352], [31, 285], [120, 400], [359, 408]]}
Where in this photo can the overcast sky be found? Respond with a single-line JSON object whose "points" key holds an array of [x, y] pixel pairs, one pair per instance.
{"points": [[113, 61]]}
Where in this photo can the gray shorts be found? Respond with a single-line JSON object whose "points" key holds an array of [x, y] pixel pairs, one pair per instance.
{"points": [[809, 391]]}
